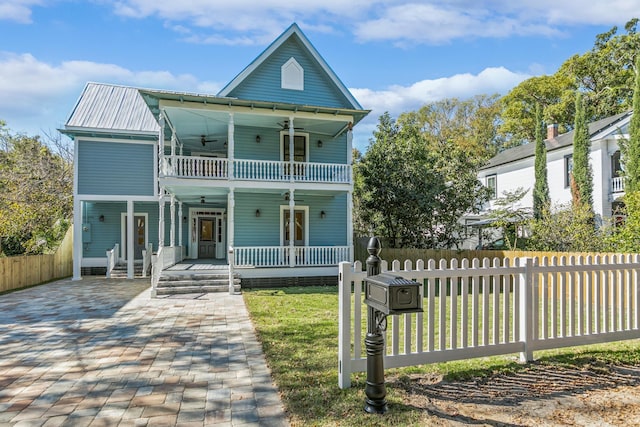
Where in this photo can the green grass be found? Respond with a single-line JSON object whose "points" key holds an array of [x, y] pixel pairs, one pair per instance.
{"points": [[298, 328]]}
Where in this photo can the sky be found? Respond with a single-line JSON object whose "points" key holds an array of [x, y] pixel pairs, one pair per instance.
{"points": [[394, 55]]}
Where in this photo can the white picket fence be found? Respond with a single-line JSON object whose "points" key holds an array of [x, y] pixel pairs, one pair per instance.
{"points": [[485, 308]]}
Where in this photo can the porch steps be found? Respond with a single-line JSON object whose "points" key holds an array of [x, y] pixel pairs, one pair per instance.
{"points": [[174, 283], [120, 271]]}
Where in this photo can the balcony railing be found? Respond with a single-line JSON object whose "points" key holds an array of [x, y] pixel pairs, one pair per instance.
{"points": [[254, 170], [280, 256], [617, 185]]}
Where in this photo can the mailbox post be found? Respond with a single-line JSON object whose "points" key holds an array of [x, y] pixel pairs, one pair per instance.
{"points": [[385, 294]]}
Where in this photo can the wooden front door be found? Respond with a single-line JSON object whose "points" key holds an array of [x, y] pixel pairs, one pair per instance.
{"points": [[206, 239], [139, 236]]}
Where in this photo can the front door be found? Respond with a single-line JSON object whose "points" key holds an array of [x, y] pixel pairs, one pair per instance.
{"points": [[206, 239], [139, 234], [298, 228]]}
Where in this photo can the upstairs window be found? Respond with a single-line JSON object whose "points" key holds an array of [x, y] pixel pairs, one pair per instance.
{"points": [[568, 168], [492, 185]]}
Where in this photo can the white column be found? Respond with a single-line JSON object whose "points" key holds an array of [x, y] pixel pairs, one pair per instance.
{"points": [[230, 144], [161, 147], [161, 219], [172, 230], [231, 204], [292, 229], [291, 149], [129, 237], [173, 154], [77, 238], [350, 224], [350, 151], [180, 224]]}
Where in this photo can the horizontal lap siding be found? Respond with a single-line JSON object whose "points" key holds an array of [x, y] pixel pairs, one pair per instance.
{"points": [[115, 168], [265, 229], [265, 84], [333, 150]]}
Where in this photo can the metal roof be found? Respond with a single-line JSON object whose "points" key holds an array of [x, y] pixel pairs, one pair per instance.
{"points": [[111, 108], [566, 139]]}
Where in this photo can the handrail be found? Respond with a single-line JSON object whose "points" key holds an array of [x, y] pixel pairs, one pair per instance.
{"points": [[231, 274], [146, 259], [112, 259], [157, 265]]}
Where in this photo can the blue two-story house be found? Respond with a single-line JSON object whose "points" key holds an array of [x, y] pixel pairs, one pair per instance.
{"points": [[257, 177]]}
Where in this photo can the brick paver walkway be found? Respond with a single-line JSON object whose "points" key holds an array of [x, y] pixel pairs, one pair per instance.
{"points": [[103, 353]]}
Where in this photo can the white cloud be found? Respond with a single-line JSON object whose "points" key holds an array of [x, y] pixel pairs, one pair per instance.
{"points": [[398, 99], [34, 92], [17, 10]]}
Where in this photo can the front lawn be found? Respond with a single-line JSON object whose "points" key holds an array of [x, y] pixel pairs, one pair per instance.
{"points": [[298, 328]]}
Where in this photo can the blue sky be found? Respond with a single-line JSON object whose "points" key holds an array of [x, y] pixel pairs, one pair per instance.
{"points": [[394, 55]]}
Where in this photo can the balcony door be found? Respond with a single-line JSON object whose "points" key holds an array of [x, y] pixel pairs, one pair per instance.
{"points": [[300, 152], [300, 229]]}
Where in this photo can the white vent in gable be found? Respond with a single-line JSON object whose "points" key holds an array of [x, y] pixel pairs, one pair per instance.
{"points": [[292, 75]]}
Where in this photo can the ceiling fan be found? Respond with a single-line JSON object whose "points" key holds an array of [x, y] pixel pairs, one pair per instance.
{"points": [[285, 126], [204, 140]]}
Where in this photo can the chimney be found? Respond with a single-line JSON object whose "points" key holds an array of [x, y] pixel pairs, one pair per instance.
{"points": [[552, 131]]}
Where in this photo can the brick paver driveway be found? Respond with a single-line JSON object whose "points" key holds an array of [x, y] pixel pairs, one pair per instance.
{"points": [[102, 352]]}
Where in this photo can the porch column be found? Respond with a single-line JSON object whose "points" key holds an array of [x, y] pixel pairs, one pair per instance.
{"points": [[291, 148], [350, 149], [230, 144], [129, 237], [231, 204], [180, 224], [77, 238], [161, 122], [292, 229], [173, 154], [350, 224], [172, 230], [161, 219]]}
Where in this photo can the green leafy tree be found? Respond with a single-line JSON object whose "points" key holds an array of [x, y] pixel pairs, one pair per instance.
{"points": [[581, 175], [566, 228], [541, 187], [418, 176], [508, 216], [36, 187], [630, 149]]}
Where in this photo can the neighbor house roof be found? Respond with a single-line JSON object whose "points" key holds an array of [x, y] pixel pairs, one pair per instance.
{"points": [[113, 109], [292, 31], [566, 139]]}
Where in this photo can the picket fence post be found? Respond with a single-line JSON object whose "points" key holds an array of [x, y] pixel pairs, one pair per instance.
{"points": [[526, 309], [344, 331]]}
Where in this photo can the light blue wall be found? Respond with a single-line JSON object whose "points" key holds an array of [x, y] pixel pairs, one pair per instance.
{"points": [[265, 230], [106, 167], [264, 83]]}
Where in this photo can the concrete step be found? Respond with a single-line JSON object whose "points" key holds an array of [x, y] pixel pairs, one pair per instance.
{"points": [[191, 283], [195, 289], [170, 277]]}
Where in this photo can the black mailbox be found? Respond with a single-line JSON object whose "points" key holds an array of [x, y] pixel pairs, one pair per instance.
{"points": [[392, 294]]}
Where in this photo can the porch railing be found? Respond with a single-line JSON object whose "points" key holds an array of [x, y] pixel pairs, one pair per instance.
{"points": [[146, 259], [113, 256], [254, 170], [280, 256], [617, 185]]}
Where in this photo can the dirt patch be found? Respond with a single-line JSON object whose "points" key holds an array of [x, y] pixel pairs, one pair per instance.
{"points": [[536, 395]]}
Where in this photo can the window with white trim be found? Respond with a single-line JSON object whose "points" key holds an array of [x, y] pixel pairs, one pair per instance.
{"points": [[491, 182]]}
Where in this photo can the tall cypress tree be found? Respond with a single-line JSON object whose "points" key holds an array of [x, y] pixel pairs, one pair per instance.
{"points": [[582, 188], [541, 188], [631, 149]]}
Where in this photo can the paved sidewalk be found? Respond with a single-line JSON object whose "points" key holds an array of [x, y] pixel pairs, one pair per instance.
{"points": [[103, 353]]}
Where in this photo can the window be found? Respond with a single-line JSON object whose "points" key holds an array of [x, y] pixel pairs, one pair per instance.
{"points": [[568, 167], [292, 75], [616, 166], [492, 185]]}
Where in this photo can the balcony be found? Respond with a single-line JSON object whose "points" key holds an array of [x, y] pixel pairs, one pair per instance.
{"points": [[254, 170], [617, 185]]}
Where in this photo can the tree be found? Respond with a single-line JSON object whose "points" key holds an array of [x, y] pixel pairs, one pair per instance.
{"points": [[36, 187], [630, 149], [555, 96], [541, 187], [508, 215], [418, 176], [581, 175]]}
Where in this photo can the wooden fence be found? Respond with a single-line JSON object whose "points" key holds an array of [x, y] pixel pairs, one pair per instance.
{"points": [[27, 270], [482, 308]]}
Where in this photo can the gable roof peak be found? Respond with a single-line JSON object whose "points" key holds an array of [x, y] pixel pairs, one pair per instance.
{"points": [[292, 31]]}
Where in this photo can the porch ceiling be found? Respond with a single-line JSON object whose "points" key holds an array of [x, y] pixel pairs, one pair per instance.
{"points": [[218, 196]]}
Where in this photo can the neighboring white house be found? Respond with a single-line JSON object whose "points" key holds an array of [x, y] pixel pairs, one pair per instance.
{"points": [[514, 168]]}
